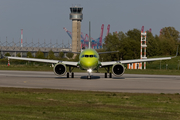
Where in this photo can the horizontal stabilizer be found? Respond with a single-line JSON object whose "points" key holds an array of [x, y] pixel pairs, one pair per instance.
{"points": [[107, 52], [71, 52]]}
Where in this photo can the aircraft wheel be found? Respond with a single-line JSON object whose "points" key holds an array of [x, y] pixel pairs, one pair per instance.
{"points": [[67, 75], [72, 75], [88, 77], [110, 75], [105, 75]]}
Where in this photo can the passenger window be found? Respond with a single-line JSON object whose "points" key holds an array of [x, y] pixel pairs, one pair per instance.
{"points": [[95, 56], [86, 55], [91, 55]]}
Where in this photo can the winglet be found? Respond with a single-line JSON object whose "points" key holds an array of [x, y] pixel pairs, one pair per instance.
{"points": [[176, 52]]}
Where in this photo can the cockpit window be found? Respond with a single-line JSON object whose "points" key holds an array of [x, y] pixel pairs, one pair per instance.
{"points": [[91, 56]]}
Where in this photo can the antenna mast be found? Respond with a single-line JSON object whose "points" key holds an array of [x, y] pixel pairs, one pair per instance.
{"points": [[89, 34]]}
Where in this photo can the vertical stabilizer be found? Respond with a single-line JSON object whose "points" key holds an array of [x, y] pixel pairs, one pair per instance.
{"points": [[89, 34]]}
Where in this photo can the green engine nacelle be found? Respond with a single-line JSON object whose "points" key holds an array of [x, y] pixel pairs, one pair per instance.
{"points": [[59, 69], [118, 69]]}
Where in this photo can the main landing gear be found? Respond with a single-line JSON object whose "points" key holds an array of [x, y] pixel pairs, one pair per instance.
{"points": [[106, 74], [70, 72]]}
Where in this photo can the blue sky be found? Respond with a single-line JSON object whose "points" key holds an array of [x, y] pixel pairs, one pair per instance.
{"points": [[45, 19]]}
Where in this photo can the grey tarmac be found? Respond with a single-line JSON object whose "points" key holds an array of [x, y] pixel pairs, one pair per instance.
{"points": [[134, 83]]}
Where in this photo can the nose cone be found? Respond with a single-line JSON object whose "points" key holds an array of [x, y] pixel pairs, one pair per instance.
{"points": [[88, 63]]}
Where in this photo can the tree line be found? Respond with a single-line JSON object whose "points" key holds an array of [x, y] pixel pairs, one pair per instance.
{"points": [[129, 44]]}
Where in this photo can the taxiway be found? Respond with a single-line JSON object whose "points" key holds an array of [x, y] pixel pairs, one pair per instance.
{"points": [[127, 83]]}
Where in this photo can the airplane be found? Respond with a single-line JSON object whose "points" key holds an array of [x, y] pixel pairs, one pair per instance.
{"points": [[89, 60]]}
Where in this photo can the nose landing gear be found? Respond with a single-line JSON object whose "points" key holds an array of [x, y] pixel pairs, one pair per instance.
{"points": [[89, 76], [89, 73]]}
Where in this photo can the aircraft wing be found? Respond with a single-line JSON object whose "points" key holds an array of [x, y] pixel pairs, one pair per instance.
{"points": [[133, 61], [68, 63]]}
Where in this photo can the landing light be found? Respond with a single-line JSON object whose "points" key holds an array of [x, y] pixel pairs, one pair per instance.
{"points": [[89, 70]]}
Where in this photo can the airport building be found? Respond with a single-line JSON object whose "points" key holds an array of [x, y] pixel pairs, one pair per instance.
{"points": [[22, 48]]}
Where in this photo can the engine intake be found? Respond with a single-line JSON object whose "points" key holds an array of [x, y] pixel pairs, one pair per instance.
{"points": [[59, 69], [118, 69]]}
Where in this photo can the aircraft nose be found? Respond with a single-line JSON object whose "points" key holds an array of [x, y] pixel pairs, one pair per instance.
{"points": [[89, 63]]}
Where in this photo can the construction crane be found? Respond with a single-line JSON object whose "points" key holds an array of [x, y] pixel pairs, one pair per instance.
{"points": [[96, 43], [108, 29], [85, 41], [142, 29], [150, 30], [68, 32], [99, 44]]}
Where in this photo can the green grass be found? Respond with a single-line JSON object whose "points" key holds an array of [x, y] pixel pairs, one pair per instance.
{"points": [[26, 67], [45, 104]]}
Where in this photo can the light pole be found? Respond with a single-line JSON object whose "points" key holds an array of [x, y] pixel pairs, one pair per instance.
{"points": [[166, 66]]}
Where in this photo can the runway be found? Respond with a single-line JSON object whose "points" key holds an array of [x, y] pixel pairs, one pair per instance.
{"points": [[127, 83]]}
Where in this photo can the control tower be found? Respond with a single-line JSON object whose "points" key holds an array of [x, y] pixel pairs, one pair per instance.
{"points": [[76, 16]]}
